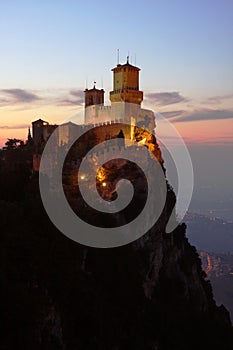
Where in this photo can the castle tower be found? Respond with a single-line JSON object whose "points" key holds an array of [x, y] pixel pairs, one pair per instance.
{"points": [[38, 130], [126, 84], [94, 96]]}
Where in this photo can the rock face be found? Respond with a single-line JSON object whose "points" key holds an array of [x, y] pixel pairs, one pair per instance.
{"points": [[148, 295]]}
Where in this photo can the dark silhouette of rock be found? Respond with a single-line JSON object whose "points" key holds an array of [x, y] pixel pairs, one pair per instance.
{"points": [[56, 294]]}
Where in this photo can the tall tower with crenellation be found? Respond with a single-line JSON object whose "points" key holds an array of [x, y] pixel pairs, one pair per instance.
{"points": [[126, 84], [126, 99]]}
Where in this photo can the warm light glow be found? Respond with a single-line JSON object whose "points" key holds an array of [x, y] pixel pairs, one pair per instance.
{"points": [[104, 184], [143, 141], [101, 174], [82, 177]]}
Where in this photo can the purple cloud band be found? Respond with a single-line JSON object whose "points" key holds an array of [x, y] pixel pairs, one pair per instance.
{"points": [[12, 97]]}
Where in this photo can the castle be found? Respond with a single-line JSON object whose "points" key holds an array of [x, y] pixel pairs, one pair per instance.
{"points": [[126, 99]]}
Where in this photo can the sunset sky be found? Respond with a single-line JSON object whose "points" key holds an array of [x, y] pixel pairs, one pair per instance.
{"points": [[51, 50]]}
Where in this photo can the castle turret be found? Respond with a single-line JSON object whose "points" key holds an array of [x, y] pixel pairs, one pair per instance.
{"points": [[126, 84], [38, 127], [94, 96]]}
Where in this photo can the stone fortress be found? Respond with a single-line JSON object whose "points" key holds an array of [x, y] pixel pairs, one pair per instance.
{"points": [[125, 115], [126, 99]]}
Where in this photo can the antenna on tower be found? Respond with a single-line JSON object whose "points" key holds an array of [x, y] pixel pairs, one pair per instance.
{"points": [[135, 59], [118, 56]]}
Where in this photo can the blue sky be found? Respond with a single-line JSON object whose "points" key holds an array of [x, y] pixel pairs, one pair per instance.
{"points": [[181, 45]]}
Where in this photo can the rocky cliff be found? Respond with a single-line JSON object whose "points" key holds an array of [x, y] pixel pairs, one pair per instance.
{"points": [[151, 294]]}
